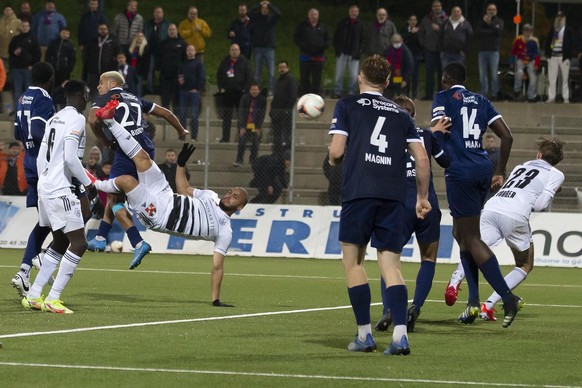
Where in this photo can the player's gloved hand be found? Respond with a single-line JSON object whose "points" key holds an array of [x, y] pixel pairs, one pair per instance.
{"points": [[97, 208], [218, 303], [91, 193], [184, 155]]}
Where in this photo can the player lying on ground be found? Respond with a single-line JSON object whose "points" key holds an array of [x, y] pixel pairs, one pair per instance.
{"points": [[531, 186], [192, 213]]}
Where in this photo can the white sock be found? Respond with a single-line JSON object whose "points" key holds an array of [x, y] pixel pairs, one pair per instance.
{"points": [[513, 279], [66, 271], [107, 186], [25, 269], [50, 260], [457, 276], [126, 142], [399, 331], [363, 331]]}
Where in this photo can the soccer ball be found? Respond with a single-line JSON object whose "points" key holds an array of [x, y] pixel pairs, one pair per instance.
{"points": [[116, 246], [310, 106]]}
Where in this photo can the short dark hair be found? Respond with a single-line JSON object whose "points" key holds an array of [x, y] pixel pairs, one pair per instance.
{"points": [[456, 72], [13, 144], [283, 61], [75, 87], [376, 69], [552, 149], [41, 73]]}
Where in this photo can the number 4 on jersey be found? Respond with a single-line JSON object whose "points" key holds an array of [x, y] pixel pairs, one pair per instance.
{"points": [[378, 139]]}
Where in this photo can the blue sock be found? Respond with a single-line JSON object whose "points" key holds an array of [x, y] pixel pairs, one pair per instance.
{"points": [[423, 282], [385, 308], [104, 229], [493, 275], [398, 304], [134, 236], [472, 276], [34, 245], [360, 298]]}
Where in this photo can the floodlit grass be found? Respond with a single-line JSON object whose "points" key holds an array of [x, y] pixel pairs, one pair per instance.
{"points": [[195, 344]]}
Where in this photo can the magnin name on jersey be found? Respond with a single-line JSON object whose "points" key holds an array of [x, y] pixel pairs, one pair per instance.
{"points": [[128, 96], [387, 160]]}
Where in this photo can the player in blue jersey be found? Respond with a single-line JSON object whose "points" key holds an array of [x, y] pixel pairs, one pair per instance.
{"points": [[34, 108], [130, 116], [427, 230], [371, 134], [468, 179]]}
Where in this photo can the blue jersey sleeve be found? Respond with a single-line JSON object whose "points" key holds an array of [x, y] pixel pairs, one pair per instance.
{"points": [[438, 107], [339, 122], [438, 153], [492, 113], [146, 106]]}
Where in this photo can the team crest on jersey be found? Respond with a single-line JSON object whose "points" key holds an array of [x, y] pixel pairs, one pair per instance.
{"points": [[364, 102], [222, 221], [457, 96], [115, 96], [151, 210]]}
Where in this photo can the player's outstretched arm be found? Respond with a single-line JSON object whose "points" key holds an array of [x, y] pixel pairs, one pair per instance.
{"points": [[171, 118], [182, 184], [422, 178], [337, 149], [500, 128]]}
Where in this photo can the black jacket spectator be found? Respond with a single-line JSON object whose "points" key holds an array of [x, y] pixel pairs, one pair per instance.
{"points": [[63, 56], [270, 178], [102, 56], [488, 36], [348, 38], [264, 25], [312, 41], [194, 75], [155, 34], [243, 30], [456, 40], [259, 115], [567, 45], [29, 51], [88, 26], [412, 41], [241, 79], [172, 56]]}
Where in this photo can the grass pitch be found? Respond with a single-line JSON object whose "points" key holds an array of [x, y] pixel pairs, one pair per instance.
{"points": [[155, 326]]}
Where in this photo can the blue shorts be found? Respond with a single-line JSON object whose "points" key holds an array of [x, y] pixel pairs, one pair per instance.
{"points": [[32, 192], [427, 230], [380, 220], [467, 196], [123, 165]]}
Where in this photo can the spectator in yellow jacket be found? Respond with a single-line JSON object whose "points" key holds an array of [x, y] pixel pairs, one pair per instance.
{"points": [[194, 30]]}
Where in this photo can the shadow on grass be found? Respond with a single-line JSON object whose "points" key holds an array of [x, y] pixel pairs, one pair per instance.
{"points": [[139, 299]]}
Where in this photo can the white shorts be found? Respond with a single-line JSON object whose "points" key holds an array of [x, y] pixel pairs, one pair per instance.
{"points": [[495, 227], [61, 213], [153, 199]]}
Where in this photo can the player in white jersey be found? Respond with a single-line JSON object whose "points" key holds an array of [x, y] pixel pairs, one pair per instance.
{"points": [[192, 213], [58, 162], [531, 186]]}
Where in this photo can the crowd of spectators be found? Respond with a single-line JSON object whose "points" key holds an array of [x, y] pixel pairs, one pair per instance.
{"points": [[157, 56]]}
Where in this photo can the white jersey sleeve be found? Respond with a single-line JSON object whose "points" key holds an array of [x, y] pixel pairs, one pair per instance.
{"points": [[524, 186]]}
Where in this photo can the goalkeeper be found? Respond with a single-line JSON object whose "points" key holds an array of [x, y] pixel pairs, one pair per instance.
{"points": [[191, 213]]}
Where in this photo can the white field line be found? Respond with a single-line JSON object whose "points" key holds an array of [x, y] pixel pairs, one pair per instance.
{"points": [[278, 375], [280, 276], [205, 319]]}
